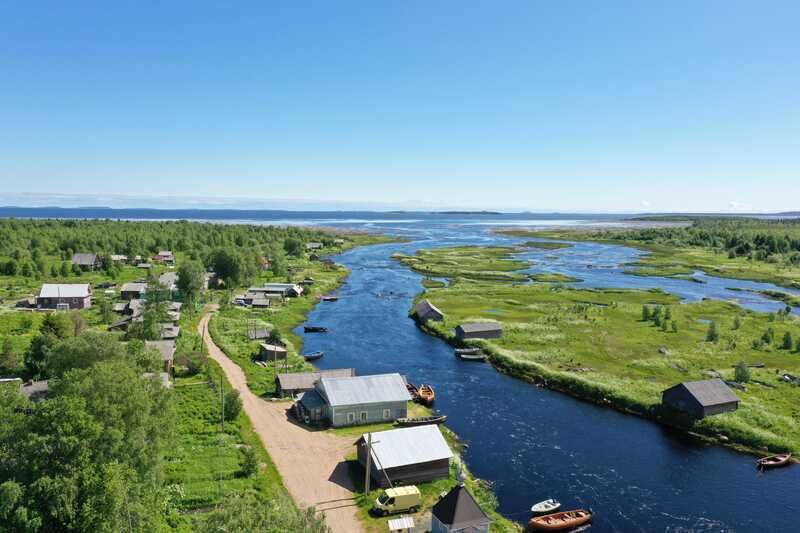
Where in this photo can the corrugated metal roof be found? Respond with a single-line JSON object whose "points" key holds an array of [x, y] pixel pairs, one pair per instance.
{"points": [[64, 290], [475, 327], [408, 446], [134, 286], [710, 392], [166, 348], [365, 389], [306, 380]]}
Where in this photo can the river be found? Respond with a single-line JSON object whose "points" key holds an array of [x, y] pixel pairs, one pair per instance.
{"points": [[533, 443]]}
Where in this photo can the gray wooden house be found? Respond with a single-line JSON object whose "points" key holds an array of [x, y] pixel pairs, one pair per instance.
{"points": [[406, 455], [133, 290], [479, 330], [166, 349], [64, 295], [350, 401], [458, 512], [86, 261], [293, 383], [272, 352], [425, 311], [701, 398]]}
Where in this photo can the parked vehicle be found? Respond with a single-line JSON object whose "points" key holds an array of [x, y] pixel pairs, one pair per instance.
{"points": [[398, 500]]}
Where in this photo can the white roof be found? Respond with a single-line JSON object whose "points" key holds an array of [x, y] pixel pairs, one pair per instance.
{"points": [[134, 286], [408, 446], [364, 389], [64, 290], [398, 524]]}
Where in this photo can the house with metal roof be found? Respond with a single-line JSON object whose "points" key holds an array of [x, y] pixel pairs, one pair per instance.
{"points": [[133, 289], [406, 455], [314, 245], [425, 311], [292, 383], [169, 280], [479, 330], [363, 399], [283, 290], [165, 256], [701, 398], [458, 512], [166, 349], [64, 295], [86, 261]]}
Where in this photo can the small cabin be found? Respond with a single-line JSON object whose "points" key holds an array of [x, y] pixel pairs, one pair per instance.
{"points": [[86, 261], [458, 512], [701, 398], [165, 256], [425, 311], [64, 296], [479, 330], [272, 352], [133, 290], [406, 455], [166, 349], [313, 246]]}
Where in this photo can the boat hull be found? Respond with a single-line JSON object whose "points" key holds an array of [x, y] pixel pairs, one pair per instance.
{"points": [[421, 421], [562, 521]]}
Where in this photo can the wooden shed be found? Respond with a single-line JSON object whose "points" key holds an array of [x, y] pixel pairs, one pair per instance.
{"points": [[406, 456], [701, 398], [293, 383], [425, 311], [479, 330], [133, 290], [272, 352], [86, 261]]}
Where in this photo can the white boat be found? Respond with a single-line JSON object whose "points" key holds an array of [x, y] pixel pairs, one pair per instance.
{"points": [[546, 507]]}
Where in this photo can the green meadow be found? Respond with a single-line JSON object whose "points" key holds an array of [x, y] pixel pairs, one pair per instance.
{"points": [[596, 345]]}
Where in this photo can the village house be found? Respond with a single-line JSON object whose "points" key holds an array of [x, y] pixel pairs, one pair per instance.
{"points": [[272, 352], [133, 307], [479, 330], [164, 256], [338, 242], [118, 258], [86, 261], [425, 311], [293, 383], [169, 280], [170, 331], [284, 290], [166, 348], [348, 401], [313, 245], [701, 398], [133, 290], [406, 455], [458, 512], [64, 296]]}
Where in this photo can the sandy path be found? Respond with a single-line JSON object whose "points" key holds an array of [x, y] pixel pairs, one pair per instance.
{"points": [[311, 463]]}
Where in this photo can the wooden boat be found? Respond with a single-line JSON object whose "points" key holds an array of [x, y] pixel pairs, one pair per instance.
{"points": [[560, 521], [546, 507], [421, 421], [774, 461], [313, 356], [329, 298], [480, 356], [315, 329], [426, 395], [467, 351], [413, 391]]}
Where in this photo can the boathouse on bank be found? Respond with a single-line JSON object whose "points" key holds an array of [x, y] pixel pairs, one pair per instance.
{"points": [[426, 311], [350, 401], [406, 455], [479, 330], [272, 352], [701, 398], [458, 512]]}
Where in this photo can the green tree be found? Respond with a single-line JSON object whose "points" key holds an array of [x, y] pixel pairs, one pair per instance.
{"points": [[277, 260], [293, 247], [251, 512], [737, 322], [232, 405], [645, 313], [664, 325], [10, 359], [250, 463], [674, 326], [58, 324], [106, 311], [83, 351], [713, 332], [36, 356], [64, 270], [53, 271], [742, 372], [788, 342], [191, 279], [667, 313]]}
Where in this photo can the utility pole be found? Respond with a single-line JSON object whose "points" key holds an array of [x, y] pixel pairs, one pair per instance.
{"points": [[369, 463], [222, 406]]}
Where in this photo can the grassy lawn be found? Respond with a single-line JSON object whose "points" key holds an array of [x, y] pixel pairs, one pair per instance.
{"points": [[471, 262], [595, 345]]}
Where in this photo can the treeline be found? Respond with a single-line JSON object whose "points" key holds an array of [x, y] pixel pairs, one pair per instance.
{"points": [[37, 248], [756, 239]]}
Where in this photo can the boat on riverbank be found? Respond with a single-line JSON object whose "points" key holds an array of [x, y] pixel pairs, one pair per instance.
{"points": [[471, 356], [426, 395], [315, 329], [774, 461], [421, 420], [546, 507], [313, 356], [329, 298], [562, 521]]}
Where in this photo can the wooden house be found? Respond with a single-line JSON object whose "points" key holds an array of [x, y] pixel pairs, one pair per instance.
{"points": [[165, 256], [425, 311], [314, 246], [64, 296], [272, 352], [350, 401], [293, 383], [458, 512], [86, 261], [406, 455], [133, 290], [479, 330], [165, 348], [701, 398]]}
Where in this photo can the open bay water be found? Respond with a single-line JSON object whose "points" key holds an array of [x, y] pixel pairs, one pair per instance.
{"points": [[532, 443]]}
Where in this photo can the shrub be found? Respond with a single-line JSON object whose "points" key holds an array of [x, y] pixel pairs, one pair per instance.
{"points": [[742, 373], [232, 405], [250, 463]]}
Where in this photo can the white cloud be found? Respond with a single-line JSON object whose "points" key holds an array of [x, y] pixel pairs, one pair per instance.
{"points": [[646, 203]]}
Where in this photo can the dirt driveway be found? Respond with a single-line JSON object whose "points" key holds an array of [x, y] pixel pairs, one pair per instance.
{"points": [[311, 463]]}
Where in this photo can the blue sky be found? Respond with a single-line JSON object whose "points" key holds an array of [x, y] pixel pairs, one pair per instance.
{"points": [[574, 105]]}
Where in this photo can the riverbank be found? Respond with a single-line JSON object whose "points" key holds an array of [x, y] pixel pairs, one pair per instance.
{"points": [[595, 345]]}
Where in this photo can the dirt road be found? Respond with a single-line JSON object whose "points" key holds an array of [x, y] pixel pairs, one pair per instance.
{"points": [[310, 462]]}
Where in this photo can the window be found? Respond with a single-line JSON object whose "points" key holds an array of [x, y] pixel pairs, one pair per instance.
{"points": [[351, 417], [387, 414], [363, 416]]}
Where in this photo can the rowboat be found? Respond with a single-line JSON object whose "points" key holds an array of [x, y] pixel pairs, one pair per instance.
{"points": [[426, 395], [546, 507], [313, 356], [774, 461], [467, 351], [329, 298], [413, 391], [560, 521], [421, 421], [480, 356], [315, 329]]}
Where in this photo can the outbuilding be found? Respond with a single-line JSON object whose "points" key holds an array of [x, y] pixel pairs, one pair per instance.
{"points": [[458, 512], [166, 349], [425, 311], [479, 330], [293, 383], [86, 261], [133, 290], [272, 352], [357, 400], [701, 398], [64, 296], [406, 455]]}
